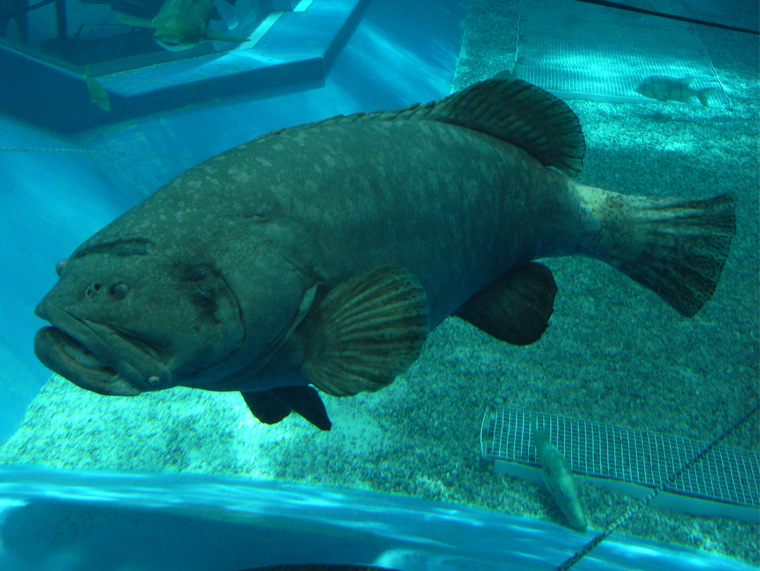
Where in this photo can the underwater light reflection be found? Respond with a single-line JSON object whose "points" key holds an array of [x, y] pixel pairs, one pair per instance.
{"points": [[402, 62], [454, 514], [635, 552]]}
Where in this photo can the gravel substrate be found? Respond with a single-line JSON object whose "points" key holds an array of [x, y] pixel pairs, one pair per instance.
{"points": [[614, 352]]}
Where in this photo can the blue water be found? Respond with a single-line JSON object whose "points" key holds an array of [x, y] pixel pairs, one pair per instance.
{"points": [[611, 354], [139, 521]]}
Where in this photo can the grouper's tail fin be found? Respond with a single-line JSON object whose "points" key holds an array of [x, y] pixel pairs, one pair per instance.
{"points": [[674, 247]]}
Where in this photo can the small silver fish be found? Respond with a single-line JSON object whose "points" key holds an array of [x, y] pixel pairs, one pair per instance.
{"points": [[665, 88], [559, 479]]}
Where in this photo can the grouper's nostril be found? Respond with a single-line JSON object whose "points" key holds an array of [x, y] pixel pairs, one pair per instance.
{"points": [[92, 289]]}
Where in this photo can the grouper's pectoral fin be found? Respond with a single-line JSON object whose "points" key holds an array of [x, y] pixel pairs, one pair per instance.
{"points": [[271, 406], [516, 308], [365, 332]]}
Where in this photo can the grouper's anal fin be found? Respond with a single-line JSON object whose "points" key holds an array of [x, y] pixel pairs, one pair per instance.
{"points": [[515, 308], [366, 331], [271, 406], [512, 110]]}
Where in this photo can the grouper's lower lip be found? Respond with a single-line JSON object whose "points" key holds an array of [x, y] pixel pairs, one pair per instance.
{"points": [[95, 356], [70, 359]]}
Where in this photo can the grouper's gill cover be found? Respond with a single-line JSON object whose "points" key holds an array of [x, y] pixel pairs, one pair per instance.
{"points": [[322, 254]]}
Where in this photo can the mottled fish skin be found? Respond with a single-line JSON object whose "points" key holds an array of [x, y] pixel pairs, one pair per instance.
{"points": [[259, 268], [665, 88], [355, 198], [559, 479]]}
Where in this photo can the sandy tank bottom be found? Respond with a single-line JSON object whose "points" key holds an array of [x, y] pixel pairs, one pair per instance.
{"points": [[613, 352]]}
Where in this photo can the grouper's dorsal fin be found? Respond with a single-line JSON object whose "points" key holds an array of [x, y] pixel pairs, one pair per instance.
{"points": [[522, 114], [509, 109]]}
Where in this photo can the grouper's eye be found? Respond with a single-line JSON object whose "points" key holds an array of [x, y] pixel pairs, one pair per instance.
{"points": [[120, 290], [59, 267]]}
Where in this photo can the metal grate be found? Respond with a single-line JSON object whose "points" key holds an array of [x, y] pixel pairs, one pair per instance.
{"points": [[590, 52], [597, 450]]}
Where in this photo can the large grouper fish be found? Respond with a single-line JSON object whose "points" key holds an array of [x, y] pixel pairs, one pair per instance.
{"points": [[321, 255]]}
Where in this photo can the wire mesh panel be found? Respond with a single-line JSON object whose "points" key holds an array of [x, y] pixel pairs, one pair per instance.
{"points": [[597, 450], [586, 51]]}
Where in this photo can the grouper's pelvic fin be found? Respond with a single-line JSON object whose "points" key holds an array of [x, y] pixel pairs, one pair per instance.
{"points": [[516, 308], [271, 406], [675, 247], [365, 332]]}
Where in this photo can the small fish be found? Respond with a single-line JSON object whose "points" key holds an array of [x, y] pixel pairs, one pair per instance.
{"points": [[98, 95], [181, 24], [665, 88], [559, 479], [321, 567]]}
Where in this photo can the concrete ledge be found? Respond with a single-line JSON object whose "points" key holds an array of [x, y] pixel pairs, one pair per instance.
{"points": [[295, 53]]}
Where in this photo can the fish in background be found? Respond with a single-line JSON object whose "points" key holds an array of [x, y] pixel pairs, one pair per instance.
{"points": [[98, 94], [181, 24], [665, 88], [321, 255], [559, 479]]}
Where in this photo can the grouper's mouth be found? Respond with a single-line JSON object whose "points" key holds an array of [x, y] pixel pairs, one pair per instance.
{"points": [[95, 356]]}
